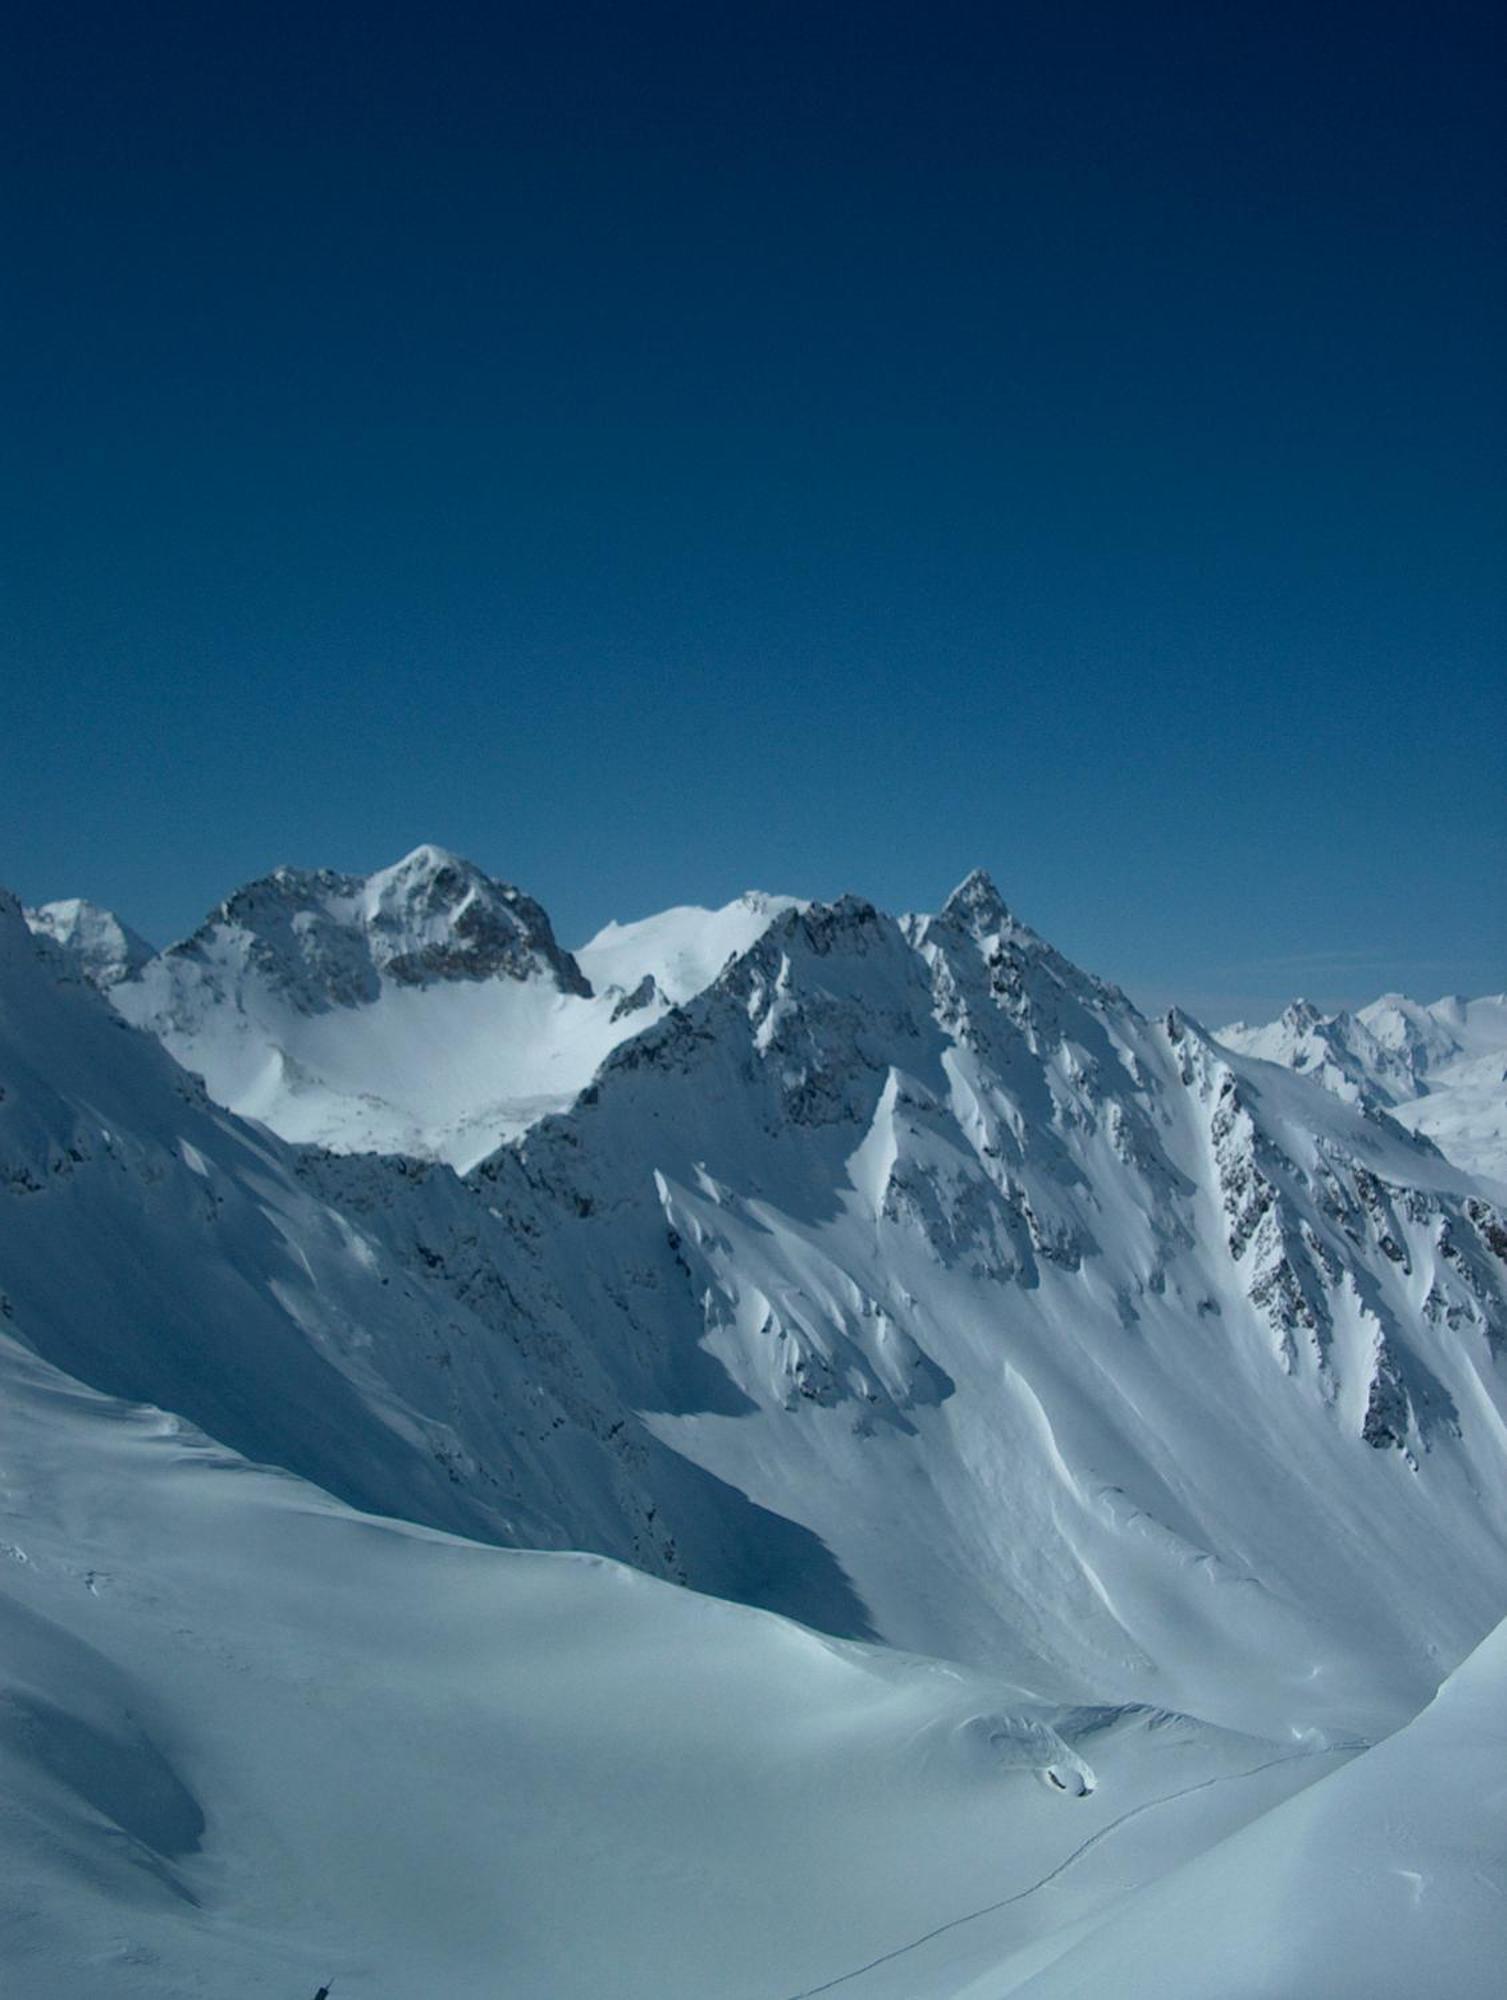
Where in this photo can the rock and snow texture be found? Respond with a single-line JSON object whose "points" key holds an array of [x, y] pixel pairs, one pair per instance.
{"points": [[1440, 1070], [105, 950], [353, 1320], [905, 1279], [914, 1231], [426, 1009], [896, 1233]]}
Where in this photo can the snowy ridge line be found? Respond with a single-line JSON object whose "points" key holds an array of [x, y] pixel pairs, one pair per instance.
{"points": [[1093, 1840], [1440, 1070]]}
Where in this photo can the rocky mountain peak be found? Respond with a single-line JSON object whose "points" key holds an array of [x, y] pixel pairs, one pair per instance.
{"points": [[327, 939], [1301, 1016], [103, 948], [433, 915], [977, 904]]}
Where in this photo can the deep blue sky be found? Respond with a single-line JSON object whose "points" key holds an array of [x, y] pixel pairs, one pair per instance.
{"points": [[662, 449]]}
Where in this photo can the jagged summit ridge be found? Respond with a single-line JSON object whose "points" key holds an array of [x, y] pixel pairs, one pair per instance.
{"points": [[426, 1008], [977, 901], [328, 939], [1439, 1069]]}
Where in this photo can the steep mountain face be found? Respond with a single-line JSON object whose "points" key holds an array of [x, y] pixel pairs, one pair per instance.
{"points": [[298, 1306], [1441, 1070], [1087, 1347]]}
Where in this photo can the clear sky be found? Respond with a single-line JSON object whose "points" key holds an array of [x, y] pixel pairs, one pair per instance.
{"points": [[663, 449]]}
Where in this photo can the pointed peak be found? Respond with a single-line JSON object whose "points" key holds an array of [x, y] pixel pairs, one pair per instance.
{"points": [[428, 855], [1301, 1015], [434, 875], [426, 861], [976, 901], [433, 916]]}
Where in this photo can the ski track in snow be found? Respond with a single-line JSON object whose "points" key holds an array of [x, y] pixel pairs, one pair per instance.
{"points": [[1093, 1840]]}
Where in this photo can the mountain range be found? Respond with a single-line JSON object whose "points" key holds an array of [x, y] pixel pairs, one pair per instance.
{"points": [[1440, 1070], [1118, 1409]]}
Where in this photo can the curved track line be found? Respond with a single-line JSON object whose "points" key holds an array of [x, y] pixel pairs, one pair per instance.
{"points": [[955, 1923]]}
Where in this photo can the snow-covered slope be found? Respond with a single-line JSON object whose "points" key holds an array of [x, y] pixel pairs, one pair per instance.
{"points": [[1386, 1877], [1441, 1070], [426, 1009], [251, 1741], [913, 1232], [681, 950], [896, 1234], [352, 1320]]}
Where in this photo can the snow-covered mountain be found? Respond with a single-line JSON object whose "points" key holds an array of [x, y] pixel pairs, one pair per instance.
{"points": [[899, 1231], [1441, 1070], [905, 1279], [425, 1009]]}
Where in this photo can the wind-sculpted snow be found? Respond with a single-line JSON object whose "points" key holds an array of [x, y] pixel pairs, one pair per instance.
{"points": [[680, 951], [1384, 1878], [251, 1741]]}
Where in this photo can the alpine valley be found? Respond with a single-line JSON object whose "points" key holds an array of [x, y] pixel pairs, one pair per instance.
{"points": [[788, 1450]]}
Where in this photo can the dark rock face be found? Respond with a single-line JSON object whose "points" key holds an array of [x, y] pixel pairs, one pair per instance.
{"points": [[492, 929], [324, 939], [643, 995]]}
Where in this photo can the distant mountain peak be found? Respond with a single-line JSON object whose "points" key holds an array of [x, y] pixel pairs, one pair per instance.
{"points": [[429, 858], [104, 949], [1301, 1016], [1437, 1068], [330, 939], [978, 903]]}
